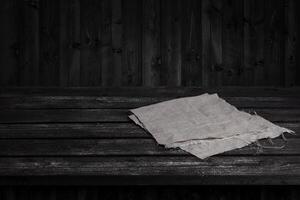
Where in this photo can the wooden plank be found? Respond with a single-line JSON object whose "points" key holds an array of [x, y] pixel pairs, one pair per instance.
{"points": [[191, 43], [117, 32], [297, 53], [75, 130], [274, 42], [254, 41], [106, 43], [206, 42], [29, 39], [114, 115], [162, 180], [248, 57], [88, 102], [290, 34], [124, 147], [216, 42], [258, 42], [152, 92], [90, 74], [53, 116], [89, 131], [171, 42], [69, 43], [233, 72], [49, 42], [154, 166], [151, 59], [132, 41], [10, 44]]}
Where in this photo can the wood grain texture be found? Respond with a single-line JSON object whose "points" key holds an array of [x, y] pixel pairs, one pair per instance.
{"points": [[125, 147], [191, 44], [171, 42], [90, 60], [30, 43], [151, 92], [10, 44], [254, 15], [277, 167], [107, 75], [290, 35], [88, 102], [216, 15], [132, 43], [151, 40], [80, 132], [232, 28], [49, 43], [297, 6], [149, 43], [89, 131], [206, 39], [114, 115], [69, 43], [274, 42], [117, 32]]}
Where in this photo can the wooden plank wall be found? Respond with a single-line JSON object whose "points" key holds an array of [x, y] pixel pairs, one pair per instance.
{"points": [[149, 43]]}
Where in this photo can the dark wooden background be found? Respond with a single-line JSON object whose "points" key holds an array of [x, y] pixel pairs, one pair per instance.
{"points": [[149, 42]]}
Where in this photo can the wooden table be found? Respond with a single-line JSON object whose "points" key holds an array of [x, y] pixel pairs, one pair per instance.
{"points": [[83, 136]]}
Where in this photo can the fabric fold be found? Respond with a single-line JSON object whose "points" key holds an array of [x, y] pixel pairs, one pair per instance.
{"points": [[203, 125]]}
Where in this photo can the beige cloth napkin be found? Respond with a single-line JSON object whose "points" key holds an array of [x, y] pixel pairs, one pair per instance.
{"points": [[203, 125]]}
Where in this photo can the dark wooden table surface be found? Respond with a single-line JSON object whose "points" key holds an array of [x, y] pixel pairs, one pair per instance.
{"points": [[83, 136]]}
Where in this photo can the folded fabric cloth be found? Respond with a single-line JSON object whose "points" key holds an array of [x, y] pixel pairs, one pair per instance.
{"points": [[203, 125]]}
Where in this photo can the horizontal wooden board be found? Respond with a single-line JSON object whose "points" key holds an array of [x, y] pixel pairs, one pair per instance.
{"points": [[274, 166], [79, 102], [88, 130], [125, 147], [146, 180], [151, 92], [74, 130], [114, 115], [69, 115]]}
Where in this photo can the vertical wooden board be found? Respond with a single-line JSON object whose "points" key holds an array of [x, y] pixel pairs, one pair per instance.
{"points": [[254, 42], [216, 42], [206, 42], [188, 50], [248, 56], [117, 32], [29, 43], [171, 42], [191, 43], [69, 43], [132, 43], [90, 43], [297, 52], [232, 30], [290, 34], [49, 43], [274, 42], [106, 43], [297, 7], [9, 47], [151, 60]]}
